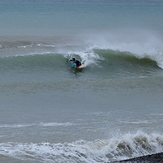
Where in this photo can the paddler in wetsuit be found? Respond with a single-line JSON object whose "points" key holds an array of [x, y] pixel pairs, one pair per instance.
{"points": [[78, 63]]}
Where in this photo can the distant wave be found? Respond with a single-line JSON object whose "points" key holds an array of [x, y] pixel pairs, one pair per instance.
{"points": [[118, 148], [53, 124], [16, 125], [50, 124]]}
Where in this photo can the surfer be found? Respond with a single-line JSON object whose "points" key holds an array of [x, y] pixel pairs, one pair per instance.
{"points": [[78, 63]]}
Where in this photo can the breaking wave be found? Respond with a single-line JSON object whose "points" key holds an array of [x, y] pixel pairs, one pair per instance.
{"points": [[118, 148]]}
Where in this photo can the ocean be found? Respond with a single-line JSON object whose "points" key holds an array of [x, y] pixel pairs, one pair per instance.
{"points": [[110, 110]]}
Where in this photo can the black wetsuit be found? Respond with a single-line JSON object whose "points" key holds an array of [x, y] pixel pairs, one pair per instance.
{"points": [[78, 63]]}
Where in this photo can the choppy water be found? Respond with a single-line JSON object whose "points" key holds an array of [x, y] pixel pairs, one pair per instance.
{"points": [[109, 110]]}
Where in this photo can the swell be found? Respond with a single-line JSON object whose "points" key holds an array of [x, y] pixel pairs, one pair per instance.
{"points": [[32, 62]]}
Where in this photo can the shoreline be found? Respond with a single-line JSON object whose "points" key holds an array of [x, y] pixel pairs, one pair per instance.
{"points": [[153, 158]]}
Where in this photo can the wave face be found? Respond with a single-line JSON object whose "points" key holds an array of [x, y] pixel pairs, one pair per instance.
{"points": [[106, 63], [118, 148]]}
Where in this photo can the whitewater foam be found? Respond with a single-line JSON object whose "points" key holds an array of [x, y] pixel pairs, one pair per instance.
{"points": [[118, 148]]}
